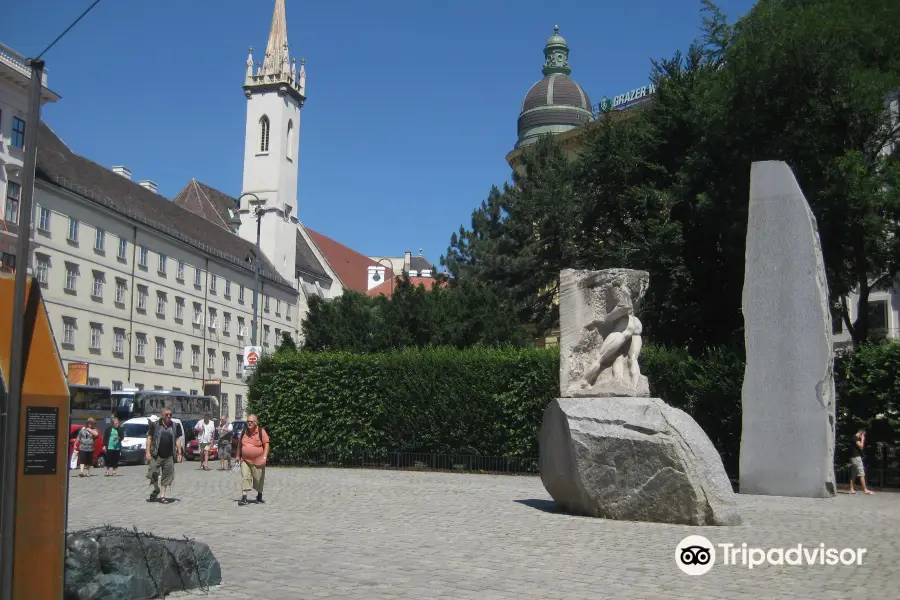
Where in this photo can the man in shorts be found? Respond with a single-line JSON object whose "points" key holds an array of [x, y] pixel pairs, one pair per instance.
{"points": [[206, 433], [226, 433], [856, 462], [163, 449]]}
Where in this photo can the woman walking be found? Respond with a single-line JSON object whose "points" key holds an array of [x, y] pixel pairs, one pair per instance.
{"points": [[112, 439], [86, 438]]}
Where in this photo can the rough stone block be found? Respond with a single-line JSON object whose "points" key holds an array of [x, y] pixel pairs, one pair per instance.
{"points": [[787, 442], [634, 459], [600, 335]]}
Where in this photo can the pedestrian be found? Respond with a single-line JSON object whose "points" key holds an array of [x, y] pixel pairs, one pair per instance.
{"points": [[163, 449], [856, 462], [252, 453], [85, 443], [112, 439], [206, 431], [226, 434]]}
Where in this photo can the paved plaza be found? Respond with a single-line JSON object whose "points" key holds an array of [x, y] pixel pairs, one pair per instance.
{"points": [[334, 533]]}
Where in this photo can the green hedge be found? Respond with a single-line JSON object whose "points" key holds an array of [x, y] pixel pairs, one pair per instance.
{"points": [[489, 402]]}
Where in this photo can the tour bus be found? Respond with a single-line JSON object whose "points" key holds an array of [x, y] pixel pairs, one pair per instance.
{"points": [[145, 403], [90, 401]]}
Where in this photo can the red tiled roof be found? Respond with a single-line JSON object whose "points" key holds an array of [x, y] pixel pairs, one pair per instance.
{"points": [[350, 266], [385, 287]]}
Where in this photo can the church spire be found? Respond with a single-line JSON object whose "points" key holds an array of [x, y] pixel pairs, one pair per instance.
{"points": [[276, 65]]}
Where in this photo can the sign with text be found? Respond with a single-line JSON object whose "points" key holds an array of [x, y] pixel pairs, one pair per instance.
{"points": [[41, 434], [252, 355], [78, 373], [626, 100]]}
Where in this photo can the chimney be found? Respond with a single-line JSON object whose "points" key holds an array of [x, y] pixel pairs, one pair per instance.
{"points": [[150, 185], [407, 257], [123, 171]]}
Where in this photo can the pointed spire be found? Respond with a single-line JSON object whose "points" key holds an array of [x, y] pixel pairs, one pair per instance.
{"points": [[277, 61]]}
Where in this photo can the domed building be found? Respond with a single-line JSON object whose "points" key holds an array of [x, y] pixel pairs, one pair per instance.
{"points": [[555, 104]]}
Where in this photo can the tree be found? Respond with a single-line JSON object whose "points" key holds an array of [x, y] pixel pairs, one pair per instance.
{"points": [[287, 344]]}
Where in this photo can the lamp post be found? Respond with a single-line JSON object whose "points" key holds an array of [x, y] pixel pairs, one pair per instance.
{"points": [[390, 268], [258, 212]]}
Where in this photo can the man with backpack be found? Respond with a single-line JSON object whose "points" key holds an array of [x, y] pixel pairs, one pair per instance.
{"points": [[252, 453]]}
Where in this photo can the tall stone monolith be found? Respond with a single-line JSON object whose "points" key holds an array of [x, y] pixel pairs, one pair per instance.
{"points": [[787, 442]]}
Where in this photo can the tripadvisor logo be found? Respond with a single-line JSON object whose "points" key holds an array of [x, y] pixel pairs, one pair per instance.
{"points": [[696, 555]]}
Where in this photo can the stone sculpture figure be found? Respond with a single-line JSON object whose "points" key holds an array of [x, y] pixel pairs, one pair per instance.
{"points": [[788, 399], [600, 319], [613, 452]]}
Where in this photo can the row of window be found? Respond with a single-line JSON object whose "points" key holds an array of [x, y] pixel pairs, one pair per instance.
{"points": [[161, 265]]}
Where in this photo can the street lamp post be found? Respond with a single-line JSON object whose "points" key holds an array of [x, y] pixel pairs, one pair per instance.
{"points": [[390, 269], [258, 213]]}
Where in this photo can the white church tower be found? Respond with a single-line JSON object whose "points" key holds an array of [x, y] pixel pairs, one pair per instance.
{"points": [[275, 92]]}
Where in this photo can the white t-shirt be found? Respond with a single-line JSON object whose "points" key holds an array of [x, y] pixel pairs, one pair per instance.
{"points": [[206, 431]]}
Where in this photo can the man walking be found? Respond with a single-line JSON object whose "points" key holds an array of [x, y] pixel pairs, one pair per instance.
{"points": [[856, 462], [226, 433], [206, 431], [252, 452], [163, 446]]}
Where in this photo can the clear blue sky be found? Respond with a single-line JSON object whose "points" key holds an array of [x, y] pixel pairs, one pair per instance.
{"points": [[411, 108]]}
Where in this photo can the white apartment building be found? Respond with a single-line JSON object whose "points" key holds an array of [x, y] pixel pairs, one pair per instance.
{"points": [[153, 293]]}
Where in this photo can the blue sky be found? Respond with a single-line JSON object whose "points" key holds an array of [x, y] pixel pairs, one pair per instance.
{"points": [[411, 109]]}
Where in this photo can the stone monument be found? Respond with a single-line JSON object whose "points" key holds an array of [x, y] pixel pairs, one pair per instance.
{"points": [[787, 439], [606, 448]]}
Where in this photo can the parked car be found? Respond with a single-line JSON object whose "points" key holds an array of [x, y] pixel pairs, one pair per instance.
{"points": [[192, 452], [134, 445], [99, 448]]}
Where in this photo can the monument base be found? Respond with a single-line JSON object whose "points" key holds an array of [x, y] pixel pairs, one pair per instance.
{"points": [[633, 459]]}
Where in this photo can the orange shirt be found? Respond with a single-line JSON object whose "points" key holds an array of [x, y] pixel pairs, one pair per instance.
{"points": [[252, 449]]}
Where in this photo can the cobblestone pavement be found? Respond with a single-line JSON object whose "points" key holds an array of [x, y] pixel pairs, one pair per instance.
{"points": [[368, 534]]}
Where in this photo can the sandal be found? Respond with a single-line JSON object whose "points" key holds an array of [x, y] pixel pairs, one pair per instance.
{"points": [[870, 493], [165, 501]]}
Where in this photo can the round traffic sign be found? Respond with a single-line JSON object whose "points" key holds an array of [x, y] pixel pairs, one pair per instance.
{"points": [[252, 358]]}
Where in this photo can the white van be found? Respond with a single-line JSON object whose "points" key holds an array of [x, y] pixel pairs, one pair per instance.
{"points": [[134, 444]]}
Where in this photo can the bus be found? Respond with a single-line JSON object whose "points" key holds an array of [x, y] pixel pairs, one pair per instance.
{"points": [[144, 403], [90, 401]]}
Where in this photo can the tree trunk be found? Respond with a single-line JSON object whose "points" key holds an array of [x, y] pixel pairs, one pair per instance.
{"points": [[860, 331]]}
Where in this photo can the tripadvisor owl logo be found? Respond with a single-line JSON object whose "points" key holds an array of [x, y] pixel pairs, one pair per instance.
{"points": [[695, 555]]}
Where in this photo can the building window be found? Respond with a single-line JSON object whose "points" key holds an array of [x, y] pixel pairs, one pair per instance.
{"points": [[18, 133], [142, 256], [97, 291], [68, 331], [94, 381], [264, 134], [212, 321], [43, 269], [265, 335], [162, 264], [195, 359], [198, 314], [179, 308], [119, 343], [277, 307], [96, 331], [277, 337], [117, 386], [226, 327], [239, 365], [242, 329], [287, 312], [13, 195], [158, 387], [179, 274], [290, 140], [224, 407], [211, 359], [123, 247], [241, 294], [142, 298], [7, 262], [73, 229], [878, 316], [212, 284], [197, 276], [160, 349], [226, 358], [227, 289], [179, 352], [238, 406], [266, 303], [141, 345], [193, 392], [71, 277], [161, 303], [139, 386], [120, 291], [99, 240], [44, 219]]}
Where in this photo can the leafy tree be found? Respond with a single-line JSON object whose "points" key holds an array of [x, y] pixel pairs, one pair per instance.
{"points": [[287, 344]]}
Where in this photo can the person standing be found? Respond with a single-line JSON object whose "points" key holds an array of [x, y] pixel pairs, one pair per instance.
{"points": [[86, 438], [252, 453], [163, 448], [206, 431], [112, 439], [226, 433], [856, 462]]}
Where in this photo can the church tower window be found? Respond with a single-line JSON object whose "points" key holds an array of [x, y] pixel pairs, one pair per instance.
{"points": [[290, 140], [264, 134]]}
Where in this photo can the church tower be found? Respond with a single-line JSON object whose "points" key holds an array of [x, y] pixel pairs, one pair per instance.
{"points": [[275, 91]]}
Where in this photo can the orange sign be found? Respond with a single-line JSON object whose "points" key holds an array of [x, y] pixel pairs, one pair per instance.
{"points": [[252, 359], [78, 373]]}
